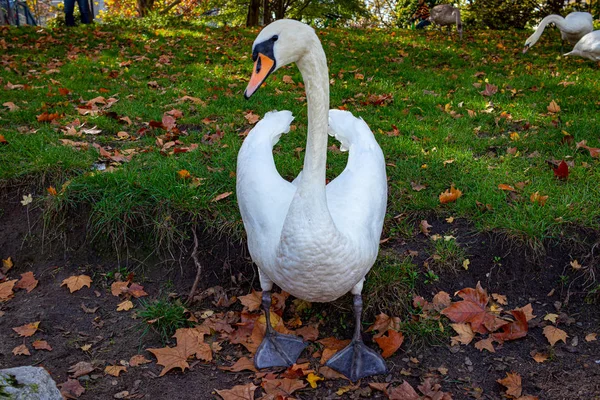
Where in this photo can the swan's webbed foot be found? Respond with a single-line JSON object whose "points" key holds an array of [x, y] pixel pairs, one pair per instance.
{"points": [[356, 360], [276, 349]]}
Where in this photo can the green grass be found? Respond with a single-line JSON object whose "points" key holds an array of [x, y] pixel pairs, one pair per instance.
{"points": [[431, 80], [163, 317]]}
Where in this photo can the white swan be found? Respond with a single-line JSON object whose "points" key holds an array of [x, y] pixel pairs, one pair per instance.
{"points": [[587, 47], [572, 28], [446, 15], [316, 242]]}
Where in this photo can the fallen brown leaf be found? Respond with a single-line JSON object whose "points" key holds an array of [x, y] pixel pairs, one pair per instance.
{"points": [[553, 334], [41, 345], [27, 282], [76, 282], [27, 330], [512, 382]]}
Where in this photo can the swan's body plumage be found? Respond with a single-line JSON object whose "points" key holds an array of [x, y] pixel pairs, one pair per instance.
{"points": [[572, 27], [446, 15], [588, 47], [308, 258]]}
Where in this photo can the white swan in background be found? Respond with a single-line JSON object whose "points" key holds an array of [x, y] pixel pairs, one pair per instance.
{"points": [[587, 47], [316, 242], [446, 15], [572, 28]]}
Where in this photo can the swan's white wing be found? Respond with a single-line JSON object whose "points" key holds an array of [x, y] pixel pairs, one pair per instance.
{"points": [[357, 198], [263, 195]]}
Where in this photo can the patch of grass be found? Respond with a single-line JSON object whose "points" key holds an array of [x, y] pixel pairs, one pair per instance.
{"points": [[163, 317], [448, 133], [390, 285], [447, 255], [422, 332]]}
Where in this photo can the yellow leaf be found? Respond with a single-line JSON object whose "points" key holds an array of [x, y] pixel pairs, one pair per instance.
{"points": [[76, 282], [540, 357], [466, 263], [450, 220], [124, 306], [184, 174], [551, 317], [7, 264], [509, 188], [575, 264], [312, 379], [86, 347], [465, 334]]}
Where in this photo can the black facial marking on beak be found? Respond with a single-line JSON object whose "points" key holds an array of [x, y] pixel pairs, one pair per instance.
{"points": [[263, 55]]}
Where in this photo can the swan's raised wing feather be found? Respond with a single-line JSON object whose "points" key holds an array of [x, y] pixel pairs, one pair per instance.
{"points": [[263, 195], [357, 198]]}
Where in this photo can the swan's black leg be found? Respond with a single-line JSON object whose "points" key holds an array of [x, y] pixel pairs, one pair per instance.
{"points": [[357, 361], [276, 349]]}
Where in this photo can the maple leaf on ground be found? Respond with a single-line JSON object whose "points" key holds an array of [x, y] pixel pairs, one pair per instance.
{"points": [[71, 389], [136, 290], [590, 337], [509, 188], [297, 371], [114, 370], [485, 344], [173, 357], [138, 360], [383, 322], [417, 187], [76, 282], [329, 373], [490, 90], [554, 334], [512, 383], [332, 346], [242, 364], [118, 288], [125, 306], [513, 330], [41, 345], [431, 389], [282, 388], [21, 350], [252, 301], [594, 151], [539, 357], [425, 227], [251, 117], [562, 171], [6, 289], [309, 333], [80, 369], [538, 198], [500, 298], [403, 392], [390, 343], [239, 392], [465, 333], [382, 387], [553, 107], [450, 195], [473, 309], [528, 311], [287, 79], [27, 330]]}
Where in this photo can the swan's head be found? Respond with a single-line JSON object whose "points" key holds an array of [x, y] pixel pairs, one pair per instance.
{"points": [[280, 43], [531, 40]]}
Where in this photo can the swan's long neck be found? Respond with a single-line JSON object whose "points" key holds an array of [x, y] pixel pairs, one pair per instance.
{"points": [[313, 66], [556, 19]]}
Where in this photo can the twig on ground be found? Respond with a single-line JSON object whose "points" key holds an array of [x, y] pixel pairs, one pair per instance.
{"points": [[198, 268]]}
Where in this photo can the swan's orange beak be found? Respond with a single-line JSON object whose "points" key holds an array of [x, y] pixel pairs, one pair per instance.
{"points": [[263, 66], [526, 48]]}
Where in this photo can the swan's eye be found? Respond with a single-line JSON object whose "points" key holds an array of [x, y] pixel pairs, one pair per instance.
{"points": [[274, 38]]}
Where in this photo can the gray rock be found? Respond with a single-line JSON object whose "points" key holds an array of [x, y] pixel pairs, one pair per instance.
{"points": [[28, 383]]}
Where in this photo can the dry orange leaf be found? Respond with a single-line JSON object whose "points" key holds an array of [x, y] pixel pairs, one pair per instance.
{"points": [[242, 364], [465, 334], [136, 290], [253, 300], [512, 383], [125, 306], [71, 389], [21, 350], [309, 332], [553, 107], [80, 369], [184, 174], [173, 357], [251, 117], [114, 370], [41, 345], [7, 264], [27, 330], [27, 282], [287, 79], [6, 289], [239, 392], [500, 298], [538, 198], [390, 343], [540, 357], [405, 392], [450, 195], [513, 330], [52, 191], [590, 337], [138, 360], [502, 186], [118, 288], [485, 344], [76, 282], [221, 196], [553, 334]]}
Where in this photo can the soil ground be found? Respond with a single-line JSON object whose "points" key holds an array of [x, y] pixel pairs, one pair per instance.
{"points": [[572, 372]]}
